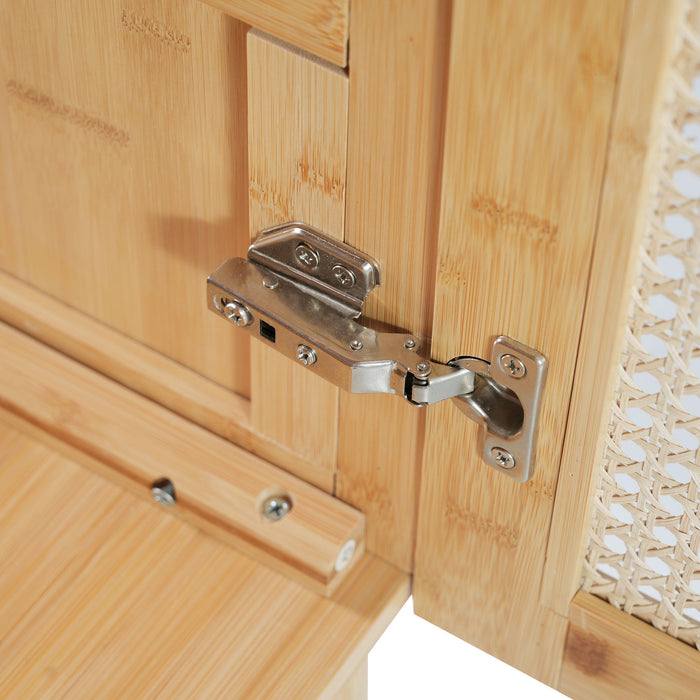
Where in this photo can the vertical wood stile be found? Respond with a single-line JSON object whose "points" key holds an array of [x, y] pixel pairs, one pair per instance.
{"points": [[397, 63], [530, 100], [651, 32], [297, 142]]}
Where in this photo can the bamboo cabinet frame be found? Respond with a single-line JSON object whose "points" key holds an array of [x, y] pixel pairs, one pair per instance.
{"points": [[494, 157]]}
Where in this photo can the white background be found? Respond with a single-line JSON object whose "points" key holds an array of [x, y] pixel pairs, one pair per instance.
{"points": [[414, 660]]}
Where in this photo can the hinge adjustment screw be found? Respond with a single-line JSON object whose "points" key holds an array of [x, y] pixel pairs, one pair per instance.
{"points": [[306, 355], [356, 344], [423, 369], [238, 313], [410, 344]]}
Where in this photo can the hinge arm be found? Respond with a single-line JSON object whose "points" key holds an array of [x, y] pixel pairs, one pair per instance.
{"points": [[301, 292]]}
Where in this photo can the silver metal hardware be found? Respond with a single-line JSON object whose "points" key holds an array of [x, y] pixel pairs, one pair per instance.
{"points": [[306, 256], [238, 313], [310, 314], [276, 507], [163, 492], [270, 282], [502, 458], [344, 277], [306, 355], [513, 365]]}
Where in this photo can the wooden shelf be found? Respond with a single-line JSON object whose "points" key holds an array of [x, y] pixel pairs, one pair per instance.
{"points": [[102, 593]]}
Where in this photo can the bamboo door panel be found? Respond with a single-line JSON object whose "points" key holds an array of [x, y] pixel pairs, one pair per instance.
{"points": [[521, 179]]}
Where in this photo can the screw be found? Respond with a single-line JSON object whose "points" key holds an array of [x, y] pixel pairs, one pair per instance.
{"points": [[502, 457], [306, 355], [356, 345], [270, 282], [513, 366], [344, 277], [276, 507], [238, 313], [306, 256], [410, 344], [163, 492], [423, 369]]}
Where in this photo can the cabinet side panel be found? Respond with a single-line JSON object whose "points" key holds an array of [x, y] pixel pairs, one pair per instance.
{"points": [[124, 166], [530, 102], [297, 115]]}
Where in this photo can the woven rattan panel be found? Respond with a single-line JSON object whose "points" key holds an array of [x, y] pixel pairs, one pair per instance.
{"points": [[644, 551]]}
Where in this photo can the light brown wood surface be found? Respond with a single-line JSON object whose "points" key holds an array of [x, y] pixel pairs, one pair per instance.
{"points": [[104, 595], [148, 372], [393, 176], [297, 143], [357, 687], [318, 26], [610, 654], [521, 181], [124, 166], [219, 486], [651, 33]]}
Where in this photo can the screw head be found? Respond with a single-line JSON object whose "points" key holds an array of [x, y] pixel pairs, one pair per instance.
{"points": [[306, 256], [343, 276], [502, 458], [513, 366], [238, 313], [270, 282], [163, 492], [306, 355], [410, 344], [423, 369], [356, 344], [276, 507]]}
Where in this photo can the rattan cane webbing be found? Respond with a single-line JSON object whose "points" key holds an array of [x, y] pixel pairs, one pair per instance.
{"points": [[644, 550]]}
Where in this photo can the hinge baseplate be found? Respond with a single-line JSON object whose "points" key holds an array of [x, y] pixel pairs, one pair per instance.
{"points": [[301, 292]]}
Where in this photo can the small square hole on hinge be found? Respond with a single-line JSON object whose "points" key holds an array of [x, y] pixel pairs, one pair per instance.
{"points": [[267, 331]]}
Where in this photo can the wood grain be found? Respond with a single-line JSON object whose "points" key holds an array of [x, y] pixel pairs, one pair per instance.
{"points": [[219, 486], [395, 123], [357, 687], [120, 193], [651, 33], [297, 142], [318, 26], [108, 592], [146, 371], [610, 654], [525, 144]]}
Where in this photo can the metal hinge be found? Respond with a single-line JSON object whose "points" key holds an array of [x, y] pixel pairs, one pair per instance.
{"points": [[301, 291]]}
